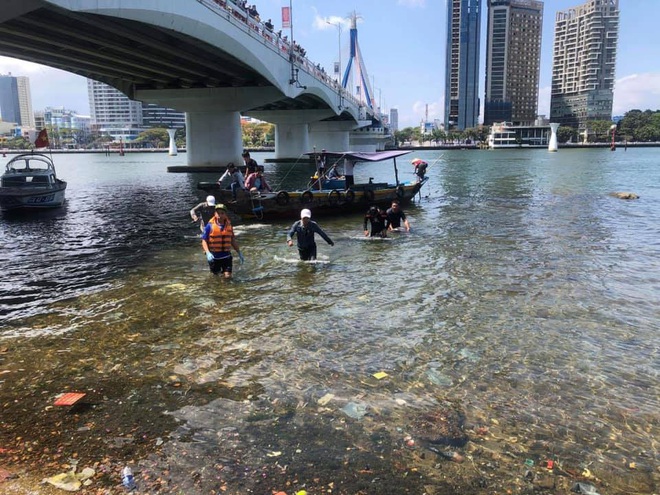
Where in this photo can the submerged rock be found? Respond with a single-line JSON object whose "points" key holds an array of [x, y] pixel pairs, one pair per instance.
{"points": [[625, 195], [443, 426]]}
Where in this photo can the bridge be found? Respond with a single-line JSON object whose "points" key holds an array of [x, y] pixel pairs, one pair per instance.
{"points": [[208, 58]]}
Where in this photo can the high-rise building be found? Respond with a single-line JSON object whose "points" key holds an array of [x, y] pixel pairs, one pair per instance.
{"points": [[513, 61], [462, 64], [115, 114], [584, 62], [16, 100], [394, 119]]}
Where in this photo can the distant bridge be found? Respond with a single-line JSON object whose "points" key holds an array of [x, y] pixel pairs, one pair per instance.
{"points": [[208, 58]]}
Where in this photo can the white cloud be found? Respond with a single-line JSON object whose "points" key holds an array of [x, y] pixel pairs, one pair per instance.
{"points": [[411, 3], [331, 22], [637, 91]]}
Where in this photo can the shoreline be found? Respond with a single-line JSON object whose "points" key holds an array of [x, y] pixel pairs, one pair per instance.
{"points": [[619, 145]]}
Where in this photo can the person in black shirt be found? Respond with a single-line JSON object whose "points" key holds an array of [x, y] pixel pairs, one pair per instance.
{"points": [[250, 164], [395, 216], [305, 229], [378, 220]]}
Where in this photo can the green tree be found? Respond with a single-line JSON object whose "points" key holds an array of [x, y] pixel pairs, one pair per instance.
{"points": [[566, 134], [153, 138]]}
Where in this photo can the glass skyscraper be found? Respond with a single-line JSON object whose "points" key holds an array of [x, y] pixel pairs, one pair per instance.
{"points": [[16, 100], [513, 61], [462, 64]]}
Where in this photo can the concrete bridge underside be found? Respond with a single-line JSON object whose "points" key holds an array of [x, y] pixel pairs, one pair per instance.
{"points": [[190, 55]]}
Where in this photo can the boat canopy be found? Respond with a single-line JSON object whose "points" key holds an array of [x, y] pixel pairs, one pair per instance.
{"points": [[362, 156]]}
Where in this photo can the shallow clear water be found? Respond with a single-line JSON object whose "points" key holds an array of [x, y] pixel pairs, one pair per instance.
{"points": [[524, 290]]}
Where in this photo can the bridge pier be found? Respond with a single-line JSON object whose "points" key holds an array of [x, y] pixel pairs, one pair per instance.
{"points": [[213, 120], [291, 130], [291, 141], [332, 136], [213, 139]]}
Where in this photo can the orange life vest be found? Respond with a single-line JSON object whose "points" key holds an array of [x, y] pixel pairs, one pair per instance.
{"points": [[220, 238]]}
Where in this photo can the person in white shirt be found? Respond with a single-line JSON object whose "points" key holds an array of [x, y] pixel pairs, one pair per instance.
{"points": [[232, 179]]}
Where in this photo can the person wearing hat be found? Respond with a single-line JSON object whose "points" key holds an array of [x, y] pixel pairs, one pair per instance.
{"points": [[217, 240], [305, 229], [203, 211], [232, 179]]}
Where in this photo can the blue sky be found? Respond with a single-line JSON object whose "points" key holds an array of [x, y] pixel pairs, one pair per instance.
{"points": [[403, 45]]}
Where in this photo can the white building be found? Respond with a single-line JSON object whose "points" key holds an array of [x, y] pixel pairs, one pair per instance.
{"points": [[584, 62]]}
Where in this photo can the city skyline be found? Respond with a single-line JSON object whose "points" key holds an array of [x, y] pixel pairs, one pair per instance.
{"points": [[403, 43]]}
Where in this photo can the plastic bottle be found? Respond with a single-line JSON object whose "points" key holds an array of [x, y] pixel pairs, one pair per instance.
{"points": [[127, 479]]}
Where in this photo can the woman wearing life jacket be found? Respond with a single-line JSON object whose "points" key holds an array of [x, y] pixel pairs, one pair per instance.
{"points": [[217, 241]]}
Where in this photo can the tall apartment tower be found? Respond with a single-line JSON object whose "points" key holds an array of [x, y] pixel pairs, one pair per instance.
{"points": [[16, 100], [394, 119], [462, 64], [513, 61], [583, 64], [122, 118]]}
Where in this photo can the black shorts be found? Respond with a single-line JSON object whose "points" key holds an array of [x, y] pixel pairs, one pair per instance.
{"points": [[223, 265], [308, 253]]}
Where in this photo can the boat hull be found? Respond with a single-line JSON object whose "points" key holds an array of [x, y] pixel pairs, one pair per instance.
{"points": [[37, 198], [325, 202]]}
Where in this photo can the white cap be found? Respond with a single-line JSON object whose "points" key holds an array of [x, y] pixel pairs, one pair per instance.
{"points": [[305, 213], [210, 200]]}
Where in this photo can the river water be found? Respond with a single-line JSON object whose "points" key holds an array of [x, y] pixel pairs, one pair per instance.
{"points": [[525, 293]]}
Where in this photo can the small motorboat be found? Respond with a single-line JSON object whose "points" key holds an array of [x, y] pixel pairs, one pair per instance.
{"points": [[30, 183], [323, 195]]}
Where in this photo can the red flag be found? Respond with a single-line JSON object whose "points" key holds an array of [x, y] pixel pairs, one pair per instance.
{"points": [[42, 139], [286, 17]]}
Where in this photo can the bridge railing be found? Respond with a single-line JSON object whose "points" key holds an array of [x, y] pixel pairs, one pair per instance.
{"points": [[279, 44]]}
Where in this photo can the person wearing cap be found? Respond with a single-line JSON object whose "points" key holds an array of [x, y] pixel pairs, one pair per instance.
{"points": [[217, 240], [205, 211], [250, 163], [232, 179], [305, 229]]}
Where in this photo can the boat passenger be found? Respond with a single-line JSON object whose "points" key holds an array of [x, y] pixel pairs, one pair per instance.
{"points": [[217, 240], [250, 163], [305, 229], [395, 216], [420, 171], [203, 212], [378, 219], [232, 179], [256, 182], [348, 172], [333, 173]]}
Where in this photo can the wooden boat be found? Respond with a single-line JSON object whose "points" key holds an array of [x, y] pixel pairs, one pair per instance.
{"points": [[30, 183], [324, 196]]}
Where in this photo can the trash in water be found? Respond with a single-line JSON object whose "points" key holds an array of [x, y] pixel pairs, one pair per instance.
{"points": [[70, 481], [355, 410], [325, 399], [69, 399], [127, 479], [380, 375], [585, 488]]}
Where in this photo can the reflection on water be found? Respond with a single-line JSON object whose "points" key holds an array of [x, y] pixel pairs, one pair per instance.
{"points": [[524, 293]]}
